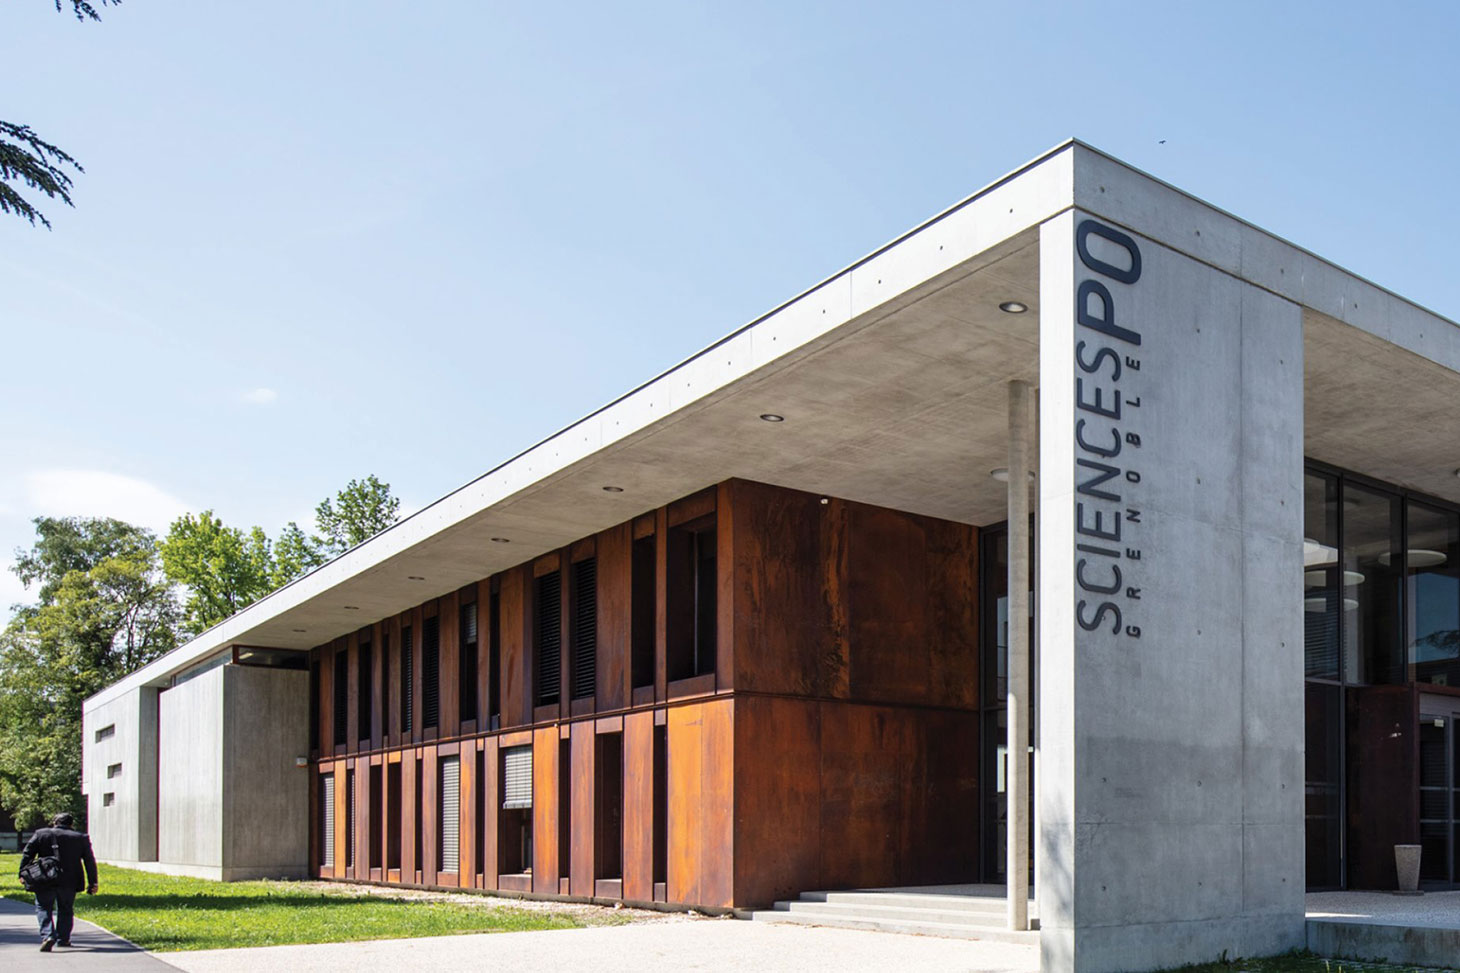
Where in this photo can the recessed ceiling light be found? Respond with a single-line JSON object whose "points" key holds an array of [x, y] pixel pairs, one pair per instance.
{"points": [[1002, 475], [613, 489], [772, 417], [301, 631], [414, 577], [1013, 307], [500, 540], [352, 608], [825, 501]]}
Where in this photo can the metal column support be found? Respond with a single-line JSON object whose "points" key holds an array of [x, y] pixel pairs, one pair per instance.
{"points": [[1016, 790]]}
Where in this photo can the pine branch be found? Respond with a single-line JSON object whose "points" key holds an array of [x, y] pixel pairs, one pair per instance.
{"points": [[85, 10], [38, 164]]}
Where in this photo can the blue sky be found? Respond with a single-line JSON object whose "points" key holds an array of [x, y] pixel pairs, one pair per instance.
{"points": [[318, 239]]}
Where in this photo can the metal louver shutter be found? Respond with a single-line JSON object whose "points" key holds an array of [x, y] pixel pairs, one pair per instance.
{"points": [[516, 778], [585, 627], [431, 672], [350, 820], [327, 832], [407, 678], [547, 607], [450, 814]]}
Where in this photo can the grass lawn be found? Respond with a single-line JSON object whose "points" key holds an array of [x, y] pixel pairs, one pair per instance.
{"points": [[1299, 963], [162, 912]]}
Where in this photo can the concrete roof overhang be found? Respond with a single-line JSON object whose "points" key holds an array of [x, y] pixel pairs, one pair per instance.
{"points": [[891, 376]]}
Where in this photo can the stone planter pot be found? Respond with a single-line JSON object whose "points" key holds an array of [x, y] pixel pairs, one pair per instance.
{"points": [[1406, 865]]}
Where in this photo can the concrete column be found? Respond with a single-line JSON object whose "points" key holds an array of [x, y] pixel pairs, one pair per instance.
{"points": [[1016, 779]]}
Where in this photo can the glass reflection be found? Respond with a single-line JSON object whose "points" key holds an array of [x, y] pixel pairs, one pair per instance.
{"points": [[1432, 573], [1373, 649], [1320, 576]]}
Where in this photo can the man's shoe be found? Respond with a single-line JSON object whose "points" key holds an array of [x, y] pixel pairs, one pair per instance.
{"points": [[46, 945], [64, 942]]}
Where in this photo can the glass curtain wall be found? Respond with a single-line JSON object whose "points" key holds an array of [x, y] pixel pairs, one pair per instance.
{"points": [[1381, 607]]}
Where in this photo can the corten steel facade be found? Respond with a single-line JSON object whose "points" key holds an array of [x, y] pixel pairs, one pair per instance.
{"points": [[745, 631]]}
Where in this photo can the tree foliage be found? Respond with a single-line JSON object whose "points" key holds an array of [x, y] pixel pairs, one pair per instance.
{"points": [[27, 158], [224, 568], [361, 510], [105, 609]]}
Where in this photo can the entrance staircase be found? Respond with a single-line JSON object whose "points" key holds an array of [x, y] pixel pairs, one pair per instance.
{"points": [[951, 911]]}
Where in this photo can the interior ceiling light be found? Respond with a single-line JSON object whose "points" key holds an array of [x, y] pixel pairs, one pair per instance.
{"points": [[613, 489], [1013, 307], [772, 417], [500, 540], [414, 577], [1002, 474]]}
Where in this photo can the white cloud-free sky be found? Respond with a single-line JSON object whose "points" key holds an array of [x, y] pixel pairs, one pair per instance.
{"points": [[317, 240]]}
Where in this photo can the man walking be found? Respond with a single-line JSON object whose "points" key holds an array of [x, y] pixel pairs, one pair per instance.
{"points": [[54, 905]]}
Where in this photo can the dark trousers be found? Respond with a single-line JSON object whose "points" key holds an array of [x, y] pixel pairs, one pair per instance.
{"points": [[61, 902]]}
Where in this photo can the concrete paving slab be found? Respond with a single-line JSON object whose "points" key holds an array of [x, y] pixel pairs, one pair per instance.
{"points": [[711, 944], [93, 948]]}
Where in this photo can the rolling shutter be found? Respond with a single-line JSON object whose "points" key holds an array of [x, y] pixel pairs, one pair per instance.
{"points": [[327, 829], [450, 814], [585, 627], [516, 778], [547, 607], [431, 672], [407, 678]]}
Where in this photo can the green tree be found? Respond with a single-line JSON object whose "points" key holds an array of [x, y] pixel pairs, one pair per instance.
{"points": [[105, 610], [27, 158], [296, 554], [223, 568], [361, 510]]}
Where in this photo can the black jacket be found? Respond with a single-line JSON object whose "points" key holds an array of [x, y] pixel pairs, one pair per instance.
{"points": [[75, 848]]}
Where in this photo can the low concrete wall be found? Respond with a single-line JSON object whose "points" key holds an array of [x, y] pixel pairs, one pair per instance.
{"points": [[1348, 939]]}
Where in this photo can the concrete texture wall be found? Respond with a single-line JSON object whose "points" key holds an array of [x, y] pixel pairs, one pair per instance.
{"points": [[126, 829], [1171, 735], [265, 796], [190, 775]]}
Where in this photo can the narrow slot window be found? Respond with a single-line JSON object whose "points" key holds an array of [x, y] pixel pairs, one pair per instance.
{"points": [[364, 696], [327, 820], [407, 679], [431, 673], [565, 807], [314, 705], [419, 820], [384, 683], [547, 636], [350, 819], [392, 816], [113, 770], [608, 801], [377, 816], [661, 803], [494, 660], [584, 624], [467, 669], [692, 599], [342, 697], [641, 624], [449, 824]]}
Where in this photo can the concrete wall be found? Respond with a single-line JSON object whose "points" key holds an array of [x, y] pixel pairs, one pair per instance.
{"points": [[1171, 707], [125, 830], [190, 776], [265, 794]]}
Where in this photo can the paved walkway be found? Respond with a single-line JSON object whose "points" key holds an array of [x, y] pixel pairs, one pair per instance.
{"points": [[93, 950], [711, 944]]}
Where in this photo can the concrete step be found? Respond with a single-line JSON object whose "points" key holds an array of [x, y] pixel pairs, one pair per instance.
{"points": [[890, 910], [916, 900], [947, 930]]}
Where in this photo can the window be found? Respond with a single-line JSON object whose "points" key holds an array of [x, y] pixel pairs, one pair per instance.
{"points": [[377, 816], [608, 801], [364, 696], [106, 732], [113, 770], [467, 670], [583, 621], [1372, 583], [1321, 604], [514, 823], [565, 806], [494, 660], [661, 803], [480, 811], [547, 636], [350, 819], [392, 816], [449, 825], [407, 678], [385, 682], [420, 821], [327, 821], [108, 799], [342, 697], [314, 705], [431, 672], [692, 592], [641, 623], [1432, 572]]}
